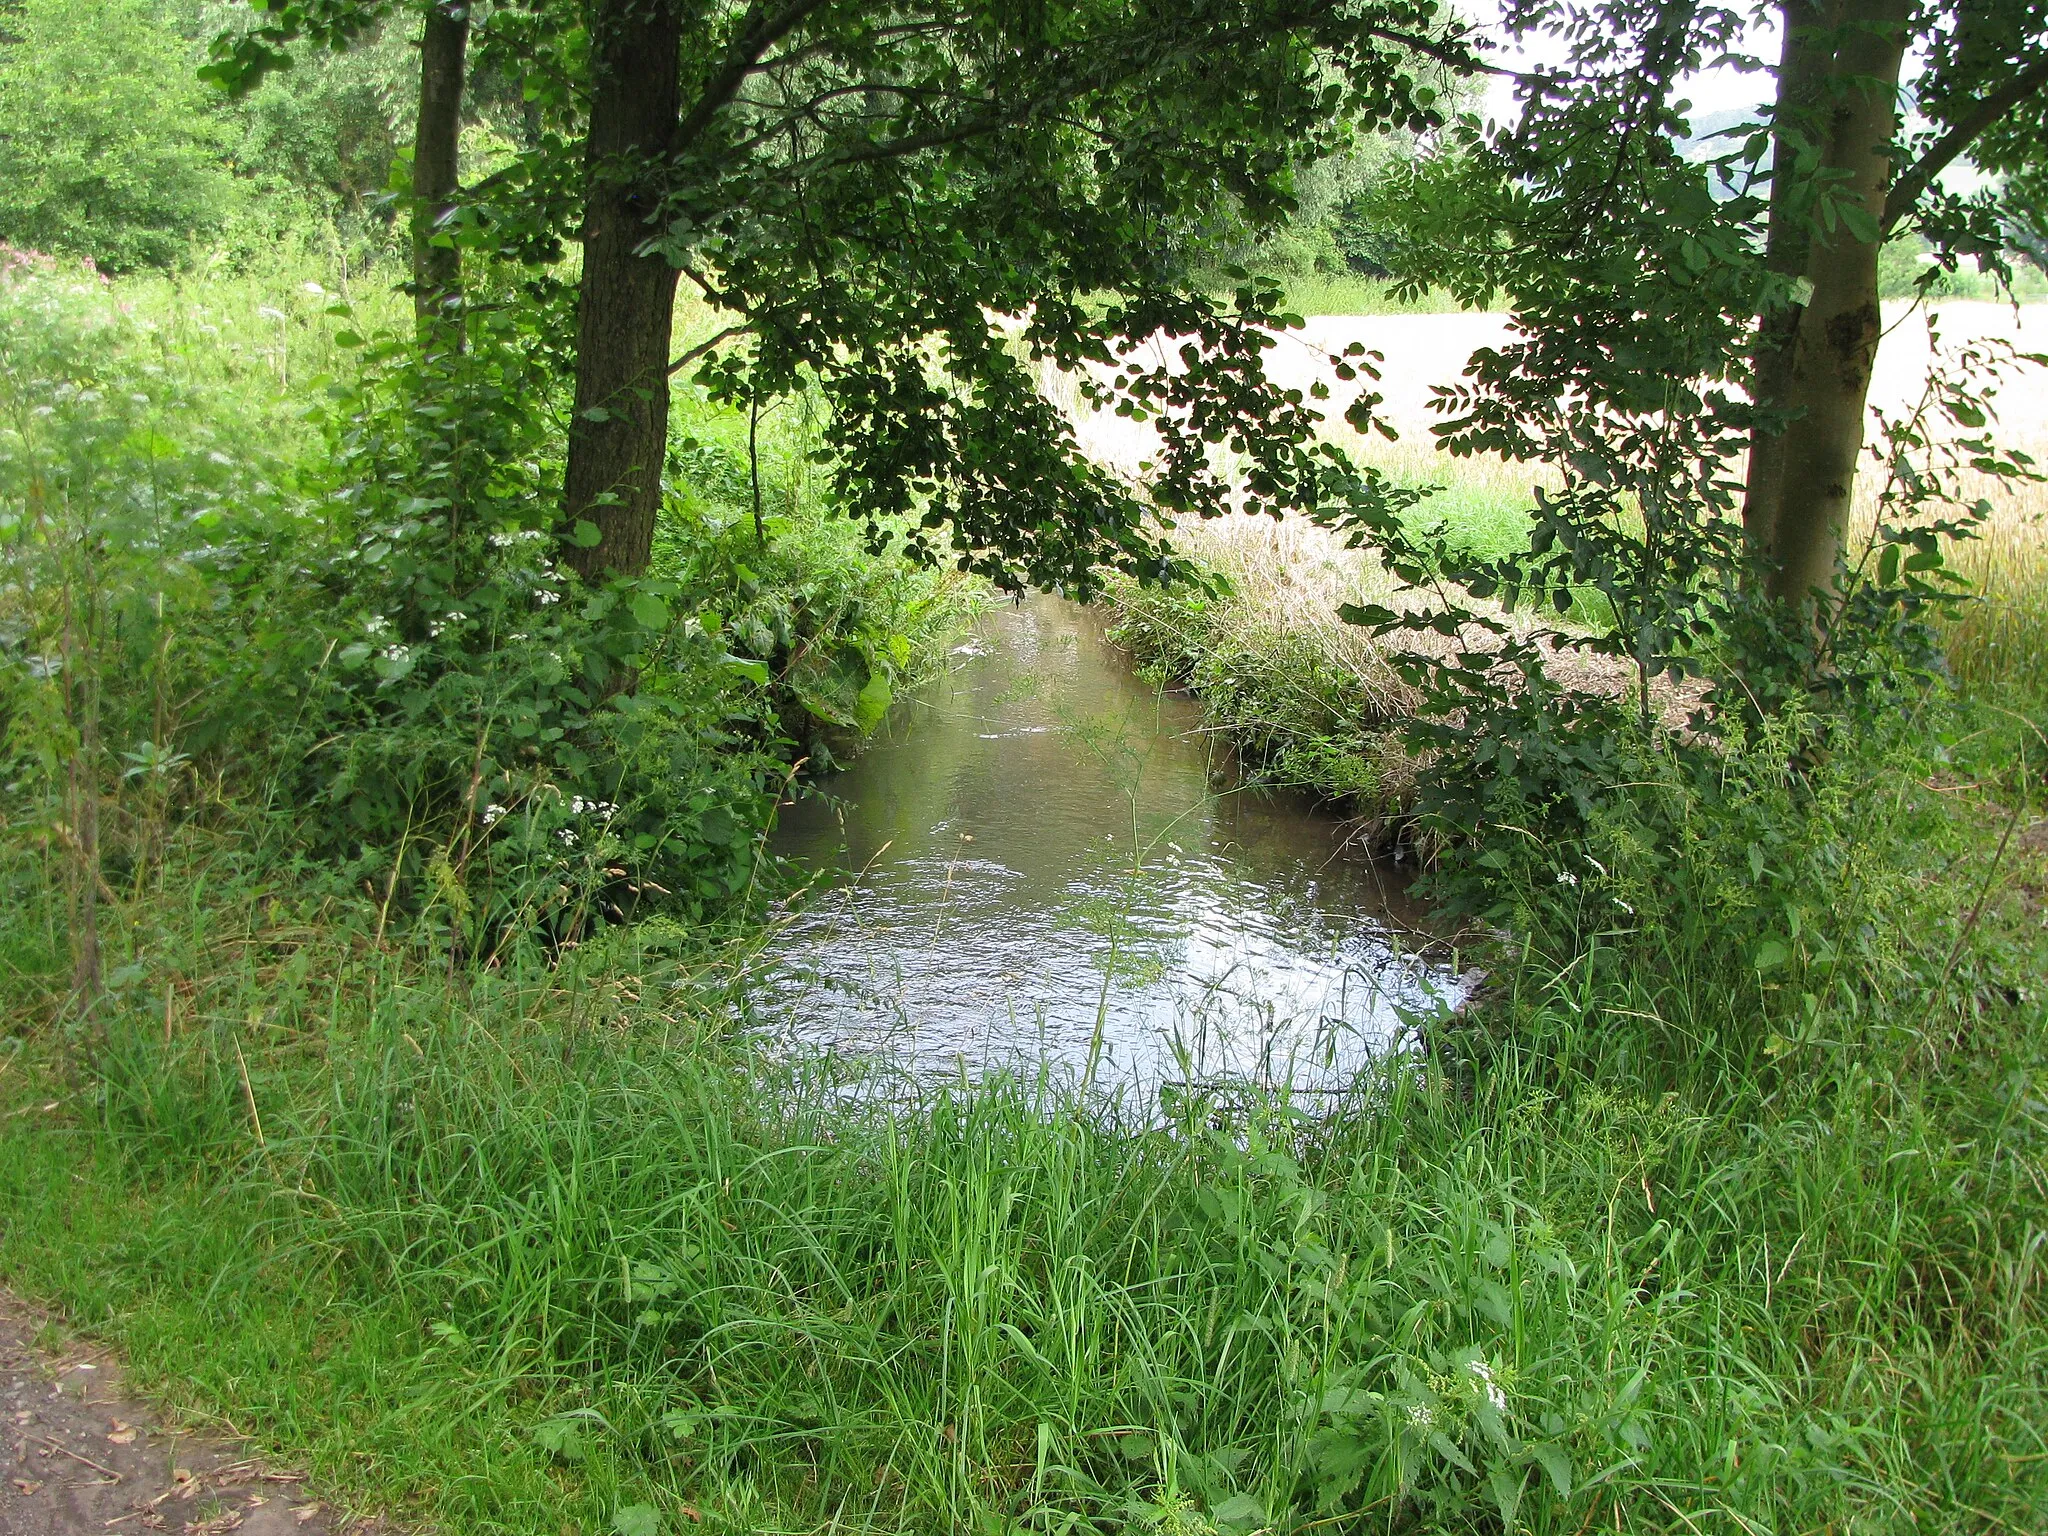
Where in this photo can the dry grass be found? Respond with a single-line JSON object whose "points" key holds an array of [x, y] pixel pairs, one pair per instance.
{"points": [[2001, 641], [1293, 577]]}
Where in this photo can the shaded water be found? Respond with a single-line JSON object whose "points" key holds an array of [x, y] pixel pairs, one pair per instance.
{"points": [[1034, 865]]}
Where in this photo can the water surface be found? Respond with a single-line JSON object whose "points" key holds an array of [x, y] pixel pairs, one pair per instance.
{"points": [[1033, 864]]}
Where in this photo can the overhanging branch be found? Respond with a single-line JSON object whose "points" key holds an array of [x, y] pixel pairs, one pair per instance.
{"points": [[1907, 190], [702, 347]]}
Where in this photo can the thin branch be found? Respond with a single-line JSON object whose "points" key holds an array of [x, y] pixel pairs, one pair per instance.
{"points": [[879, 34], [702, 347], [757, 34], [1907, 189]]}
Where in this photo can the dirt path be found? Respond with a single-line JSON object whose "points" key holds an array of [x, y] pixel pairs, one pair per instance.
{"points": [[85, 1458]]}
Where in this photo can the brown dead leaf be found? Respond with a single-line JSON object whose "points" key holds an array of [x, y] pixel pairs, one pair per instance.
{"points": [[305, 1512], [692, 1512], [26, 1485], [122, 1434], [219, 1525]]}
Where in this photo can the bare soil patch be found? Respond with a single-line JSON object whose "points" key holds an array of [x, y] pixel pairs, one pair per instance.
{"points": [[84, 1457]]}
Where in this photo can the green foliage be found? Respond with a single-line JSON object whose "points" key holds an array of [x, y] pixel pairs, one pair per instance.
{"points": [[113, 149], [1725, 1187], [348, 609], [890, 196], [1298, 718]]}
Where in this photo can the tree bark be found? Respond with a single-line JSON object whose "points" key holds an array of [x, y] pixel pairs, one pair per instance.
{"points": [[1835, 346], [1806, 59], [437, 269], [618, 436]]}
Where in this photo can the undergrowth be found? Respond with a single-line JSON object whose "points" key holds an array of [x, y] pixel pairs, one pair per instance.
{"points": [[1719, 1212]]}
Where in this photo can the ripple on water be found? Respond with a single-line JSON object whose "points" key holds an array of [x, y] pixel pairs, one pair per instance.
{"points": [[1032, 865]]}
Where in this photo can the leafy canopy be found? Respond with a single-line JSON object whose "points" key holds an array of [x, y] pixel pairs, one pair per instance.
{"points": [[918, 208]]}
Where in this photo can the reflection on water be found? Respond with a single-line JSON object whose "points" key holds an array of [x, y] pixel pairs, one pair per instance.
{"points": [[1032, 865]]}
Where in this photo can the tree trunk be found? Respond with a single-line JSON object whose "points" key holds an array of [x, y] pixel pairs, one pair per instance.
{"points": [[626, 305], [437, 269], [1835, 347], [1805, 60]]}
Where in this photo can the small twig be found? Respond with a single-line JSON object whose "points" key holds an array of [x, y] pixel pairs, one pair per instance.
{"points": [[65, 1450], [1976, 911], [249, 1094]]}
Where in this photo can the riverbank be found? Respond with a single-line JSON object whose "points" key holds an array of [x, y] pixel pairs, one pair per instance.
{"points": [[1657, 1236], [1312, 703], [1718, 1209]]}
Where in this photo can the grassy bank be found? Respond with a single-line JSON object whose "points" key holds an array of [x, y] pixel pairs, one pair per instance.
{"points": [[1719, 1210], [1669, 1234]]}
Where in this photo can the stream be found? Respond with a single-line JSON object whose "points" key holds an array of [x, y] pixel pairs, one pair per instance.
{"points": [[1040, 861]]}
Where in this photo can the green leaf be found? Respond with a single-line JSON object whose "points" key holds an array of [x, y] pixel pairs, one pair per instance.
{"points": [[1860, 223], [561, 1437], [586, 534], [1241, 1511], [872, 702], [636, 1520], [649, 611], [1506, 1488], [1552, 1458], [1771, 954]]}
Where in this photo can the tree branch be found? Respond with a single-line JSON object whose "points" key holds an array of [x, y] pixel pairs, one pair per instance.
{"points": [[1906, 191], [702, 347], [758, 32]]}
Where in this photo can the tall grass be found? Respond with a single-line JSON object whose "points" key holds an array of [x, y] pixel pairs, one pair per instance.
{"points": [[2000, 643], [1659, 1237]]}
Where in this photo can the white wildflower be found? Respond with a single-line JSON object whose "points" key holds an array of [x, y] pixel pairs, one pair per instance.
{"points": [[1596, 864], [316, 290], [1483, 1374], [394, 653], [1420, 1419], [1566, 877], [217, 457], [270, 314], [376, 624], [543, 595], [493, 814]]}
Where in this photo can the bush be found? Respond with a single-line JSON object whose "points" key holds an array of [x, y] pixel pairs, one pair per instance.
{"points": [[113, 149]]}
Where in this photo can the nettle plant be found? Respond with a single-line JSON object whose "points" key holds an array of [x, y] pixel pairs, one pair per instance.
{"points": [[521, 749], [1693, 350], [542, 750]]}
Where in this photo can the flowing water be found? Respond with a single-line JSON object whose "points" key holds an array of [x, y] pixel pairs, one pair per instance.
{"points": [[1033, 863]]}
